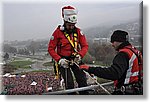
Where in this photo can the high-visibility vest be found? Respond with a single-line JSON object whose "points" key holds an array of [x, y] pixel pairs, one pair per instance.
{"points": [[134, 72]]}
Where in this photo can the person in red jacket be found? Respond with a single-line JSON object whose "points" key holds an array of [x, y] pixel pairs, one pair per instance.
{"points": [[68, 44], [126, 70]]}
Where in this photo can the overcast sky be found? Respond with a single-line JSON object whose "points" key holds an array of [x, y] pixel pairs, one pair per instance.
{"points": [[31, 20]]}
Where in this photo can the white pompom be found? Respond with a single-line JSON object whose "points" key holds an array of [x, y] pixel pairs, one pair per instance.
{"points": [[62, 28]]}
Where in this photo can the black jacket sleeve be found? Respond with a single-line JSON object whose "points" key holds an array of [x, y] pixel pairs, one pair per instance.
{"points": [[115, 71]]}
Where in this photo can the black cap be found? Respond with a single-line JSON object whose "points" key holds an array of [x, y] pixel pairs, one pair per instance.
{"points": [[119, 36]]}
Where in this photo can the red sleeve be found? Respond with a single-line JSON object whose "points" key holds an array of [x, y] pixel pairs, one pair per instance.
{"points": [[52, 45], [83, 43]]}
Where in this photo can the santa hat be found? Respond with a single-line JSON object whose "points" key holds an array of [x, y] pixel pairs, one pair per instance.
{"points": [[69, 14], [69, 10]]}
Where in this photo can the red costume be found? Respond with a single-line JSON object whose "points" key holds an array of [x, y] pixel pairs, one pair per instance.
{"points": [[64, 48]]}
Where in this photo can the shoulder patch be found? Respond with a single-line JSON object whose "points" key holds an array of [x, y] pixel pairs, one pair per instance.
{"points": [[52, 38], [81, 32]]}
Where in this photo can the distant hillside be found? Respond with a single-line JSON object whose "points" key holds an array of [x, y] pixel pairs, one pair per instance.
{"points": [[133, 27]]}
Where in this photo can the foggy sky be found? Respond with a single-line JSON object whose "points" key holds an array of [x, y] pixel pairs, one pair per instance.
{"points": [[22, 21]]}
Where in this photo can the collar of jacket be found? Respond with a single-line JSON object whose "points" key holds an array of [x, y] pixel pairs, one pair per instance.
{"points": [[73, 31], [122, 45]]}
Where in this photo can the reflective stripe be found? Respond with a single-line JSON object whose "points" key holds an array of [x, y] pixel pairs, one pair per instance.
{"points": [[135, 73], [129, 71], [71, 42], [75, 40], [57, 71], [68, 37]]}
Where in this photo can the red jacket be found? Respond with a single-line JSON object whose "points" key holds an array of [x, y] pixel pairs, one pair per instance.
{"points": [[64, 48]]}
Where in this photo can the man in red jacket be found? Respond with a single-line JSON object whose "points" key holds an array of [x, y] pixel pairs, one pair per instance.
{"points": [[126, 69], [69, 44]]}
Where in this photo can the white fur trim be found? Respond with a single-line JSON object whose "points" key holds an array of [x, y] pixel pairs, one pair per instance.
{"points": [[62, 28], [70, 12]]}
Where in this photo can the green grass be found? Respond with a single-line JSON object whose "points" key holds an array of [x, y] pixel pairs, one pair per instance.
{"points": [[101, 80], [49, 71], [48, 64], [46, 71], [16, 58], [98, 63], [21, 64]]}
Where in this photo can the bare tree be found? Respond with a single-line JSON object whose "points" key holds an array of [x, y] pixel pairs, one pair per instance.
{"points": [[8, 48], [102, 52], [33, 47]]}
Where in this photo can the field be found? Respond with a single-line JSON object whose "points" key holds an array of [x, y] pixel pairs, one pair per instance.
{"points": [[21, 64]]}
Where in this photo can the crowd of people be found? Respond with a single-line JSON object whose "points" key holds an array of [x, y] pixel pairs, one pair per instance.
{"points": [[67, 46], [30, 83]]}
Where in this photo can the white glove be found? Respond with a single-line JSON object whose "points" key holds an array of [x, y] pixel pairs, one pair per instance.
{"points": [[63, 63], [77, 59]]}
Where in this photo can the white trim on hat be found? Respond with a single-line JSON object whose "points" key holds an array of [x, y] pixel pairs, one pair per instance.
{"points": [[70, 12], [71, 18]]}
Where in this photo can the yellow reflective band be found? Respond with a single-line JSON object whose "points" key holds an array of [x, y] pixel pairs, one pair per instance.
{"points": [[75, 40], [75, 34], [68, 37]]}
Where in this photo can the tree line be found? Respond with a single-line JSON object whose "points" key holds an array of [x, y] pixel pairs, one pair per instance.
{"points": [[32, 48], [102, 53]]}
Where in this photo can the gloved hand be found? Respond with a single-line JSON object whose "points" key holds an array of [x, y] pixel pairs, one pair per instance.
{"points": [[84, 67], [77, 59], [63, 63], [93, 76]]}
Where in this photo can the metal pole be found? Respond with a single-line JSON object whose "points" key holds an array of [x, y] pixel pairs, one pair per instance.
{"points": [[76, 89], [71, 90]]}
